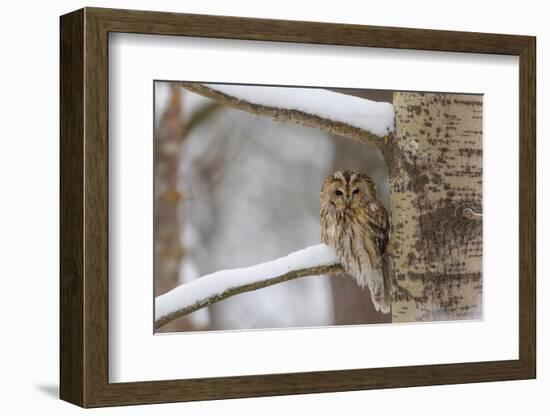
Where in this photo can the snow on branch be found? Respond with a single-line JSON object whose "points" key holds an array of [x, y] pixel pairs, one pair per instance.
{"points": [[471, 214], [212, 288], [345, 115]]}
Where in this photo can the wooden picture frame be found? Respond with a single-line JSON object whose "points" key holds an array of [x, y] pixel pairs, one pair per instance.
{"points": [[84, 207]]}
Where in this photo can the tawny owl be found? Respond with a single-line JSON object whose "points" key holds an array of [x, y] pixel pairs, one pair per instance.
{"points": [[355, 223]]}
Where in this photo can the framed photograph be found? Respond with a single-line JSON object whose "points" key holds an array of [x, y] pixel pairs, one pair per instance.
{"points": [[257, 207]]}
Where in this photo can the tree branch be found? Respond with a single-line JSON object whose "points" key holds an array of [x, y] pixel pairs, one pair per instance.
{"points": [[215, 287], [471, 214], [312, 271], [290, 115]]}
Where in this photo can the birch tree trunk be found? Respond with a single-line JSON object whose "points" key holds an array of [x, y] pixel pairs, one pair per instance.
{"points": [[435, 165]]}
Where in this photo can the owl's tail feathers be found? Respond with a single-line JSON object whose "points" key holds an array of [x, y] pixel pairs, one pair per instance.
{"points": [[381, 287], [378, 293]]}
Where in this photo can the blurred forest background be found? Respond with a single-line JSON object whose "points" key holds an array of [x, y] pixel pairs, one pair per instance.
{"points": [[234, 189]]}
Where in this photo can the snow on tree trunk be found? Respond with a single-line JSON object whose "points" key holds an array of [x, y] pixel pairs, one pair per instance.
{"points": [[435, 165]]}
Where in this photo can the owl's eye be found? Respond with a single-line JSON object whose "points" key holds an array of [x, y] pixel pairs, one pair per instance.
{"points": [[338, 193], [355, 191]]}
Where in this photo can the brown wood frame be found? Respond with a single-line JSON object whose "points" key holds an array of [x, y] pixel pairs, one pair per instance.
{"points": [[84, 207]]}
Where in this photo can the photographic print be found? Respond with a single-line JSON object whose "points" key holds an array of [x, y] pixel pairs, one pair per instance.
{"points": [[293, 207], [327, 185]]}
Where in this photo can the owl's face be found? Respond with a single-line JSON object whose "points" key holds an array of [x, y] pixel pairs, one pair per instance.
{"points": [[347, 190]]}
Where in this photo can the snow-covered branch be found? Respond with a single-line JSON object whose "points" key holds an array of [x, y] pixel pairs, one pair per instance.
{"points": [[345, 115], [212, 288], [471, 214]]}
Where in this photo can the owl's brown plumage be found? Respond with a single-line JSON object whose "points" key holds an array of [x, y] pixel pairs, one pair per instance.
{"points": [[356, 225]]}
